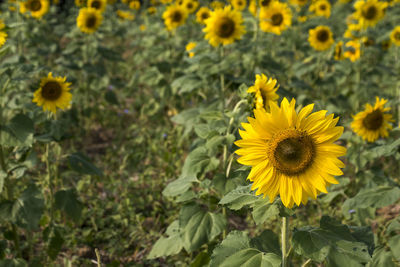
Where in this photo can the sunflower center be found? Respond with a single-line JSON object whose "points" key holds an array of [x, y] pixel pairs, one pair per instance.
{"points": [[373, 120], [96, 4], [265, 2], [176, 16], [35, 6], [292, 151], [277, 19], [204, 15], [240, 3], [397, 36], [91, 22], [322, 7], [51, 90], [322, 36], [189, 5], [226, 28], [370, 13]]}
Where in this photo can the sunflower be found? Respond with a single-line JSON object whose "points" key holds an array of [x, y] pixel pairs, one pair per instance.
{"points": [[89, 20], [265, 91], [298, 2], [321, 8], [373, 122], [100, 5], [142, 27], [166, 1], [151, 10], [216, 5], [53, 93], [264, 3], [125, 15], [276, 18], [338, 55], [386, 44], [2, 25], [351, 29], [239, 4], [37, 8], [134, 5], [174, 16], [189, 47], [320, 38], [202, 15], [291, 153], [224, 26], [353, 50], [395, 36], [3, 38], [190, 6], [79, 3], [369, 12], [253, 7]]}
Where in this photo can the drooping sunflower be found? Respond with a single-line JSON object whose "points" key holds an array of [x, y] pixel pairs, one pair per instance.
{"points": [[37, 8], [125, 15], [353, 50], [395, 36], [174, 16], [89, 20], [320, 38], [386, 44], [203, 14], [189, 47], [53, 93], [275, 18], [265, 91], [338, 55], [369, 12], [373, 122], [321, 8], [100, 5], [291, 153], [190, 5], [224, 26], [239, 4]]}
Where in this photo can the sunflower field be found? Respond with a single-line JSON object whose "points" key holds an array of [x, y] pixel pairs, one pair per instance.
{"points": [[200, 133]]}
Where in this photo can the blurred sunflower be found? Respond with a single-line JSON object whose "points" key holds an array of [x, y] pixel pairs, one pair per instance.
{"points": [[291, 153], [135, 5], [151, 10], [239, 4], [89, 20], [166, 1], [190, 5], [276, 18], [369, 12], [142, 27], [224, 26], [53, 93], [37, 8], [189, 47], [386, 44], [174, 16], [373, 122], [216, 5], [3, 38], [80, 3], [351, 29], [298, 2], [353, 50], [264, 3], [265, 91], [253, 7], [395, 36], [321, 8], [338, 55], [202, 15], [320, 38], [125, 15], [100, 5]]}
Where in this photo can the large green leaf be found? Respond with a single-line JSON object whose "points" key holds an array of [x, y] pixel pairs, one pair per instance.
{"points": [[199, 226], [394, 244], [81, 164], [381, 257], [67, 201], [28, 208], [13, 263], [18, 132], [166, 246], [179, 186]]}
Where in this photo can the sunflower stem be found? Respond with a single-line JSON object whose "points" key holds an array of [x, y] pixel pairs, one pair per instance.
{"points": [[49, 181], [285, 241]]}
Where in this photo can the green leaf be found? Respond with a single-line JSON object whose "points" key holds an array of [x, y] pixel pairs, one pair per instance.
{"points": [[179, 186], [267, 241], [111, 97], [28, 208], [394, 244], [202, 259], [13, 263], [376, 197], [381, 257], [239, 197], [18, 132], [81, 164], [55, 243], [264, 211], [199, 226], [67, 201], [187, 83], [166, 246], [3, 176]]}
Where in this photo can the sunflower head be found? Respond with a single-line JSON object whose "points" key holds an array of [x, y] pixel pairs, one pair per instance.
{"points": [[79, 3], [203, 14], [37, 8], [275, 18], [338, 55], [298, 2], [369, 12], [217, 5], [395, 36], [224, 26], [125, 15], [321, 8], [264, 3], [353, 50], [291, 153], [99, 5], [53, 93], [134, 5], [373, 122], [253, 7], [264, 90], [190, 5], [320, 38], [189, 47], [239, 4], [89, 20], [174, 16], [3, 38], [386, 44]]}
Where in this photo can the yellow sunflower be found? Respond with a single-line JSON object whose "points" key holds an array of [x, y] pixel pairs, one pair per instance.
{"points": [[174, 16], [79, 3], [373, 122], [166, 1], [100, 5], [125, 15], [320, 38], [151, 10], [202, 15], [142, 27], [3, 38], [190, 5], [369, 12], [321, 8], [353, 50], [135, 5], [298, 2], [395, 36], [276, 18], [189, 47], [265, 91], [338, 55], [264, 3], [89, 20], [37, 8], [253, 7], [351, 29], [53, 93], [239, 4], [386, 44], [224, 26], [291, 153], [216, 5]]}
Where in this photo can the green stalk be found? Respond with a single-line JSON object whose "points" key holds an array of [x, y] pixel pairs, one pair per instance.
{"points": [[49, 181], [285, 241]]}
